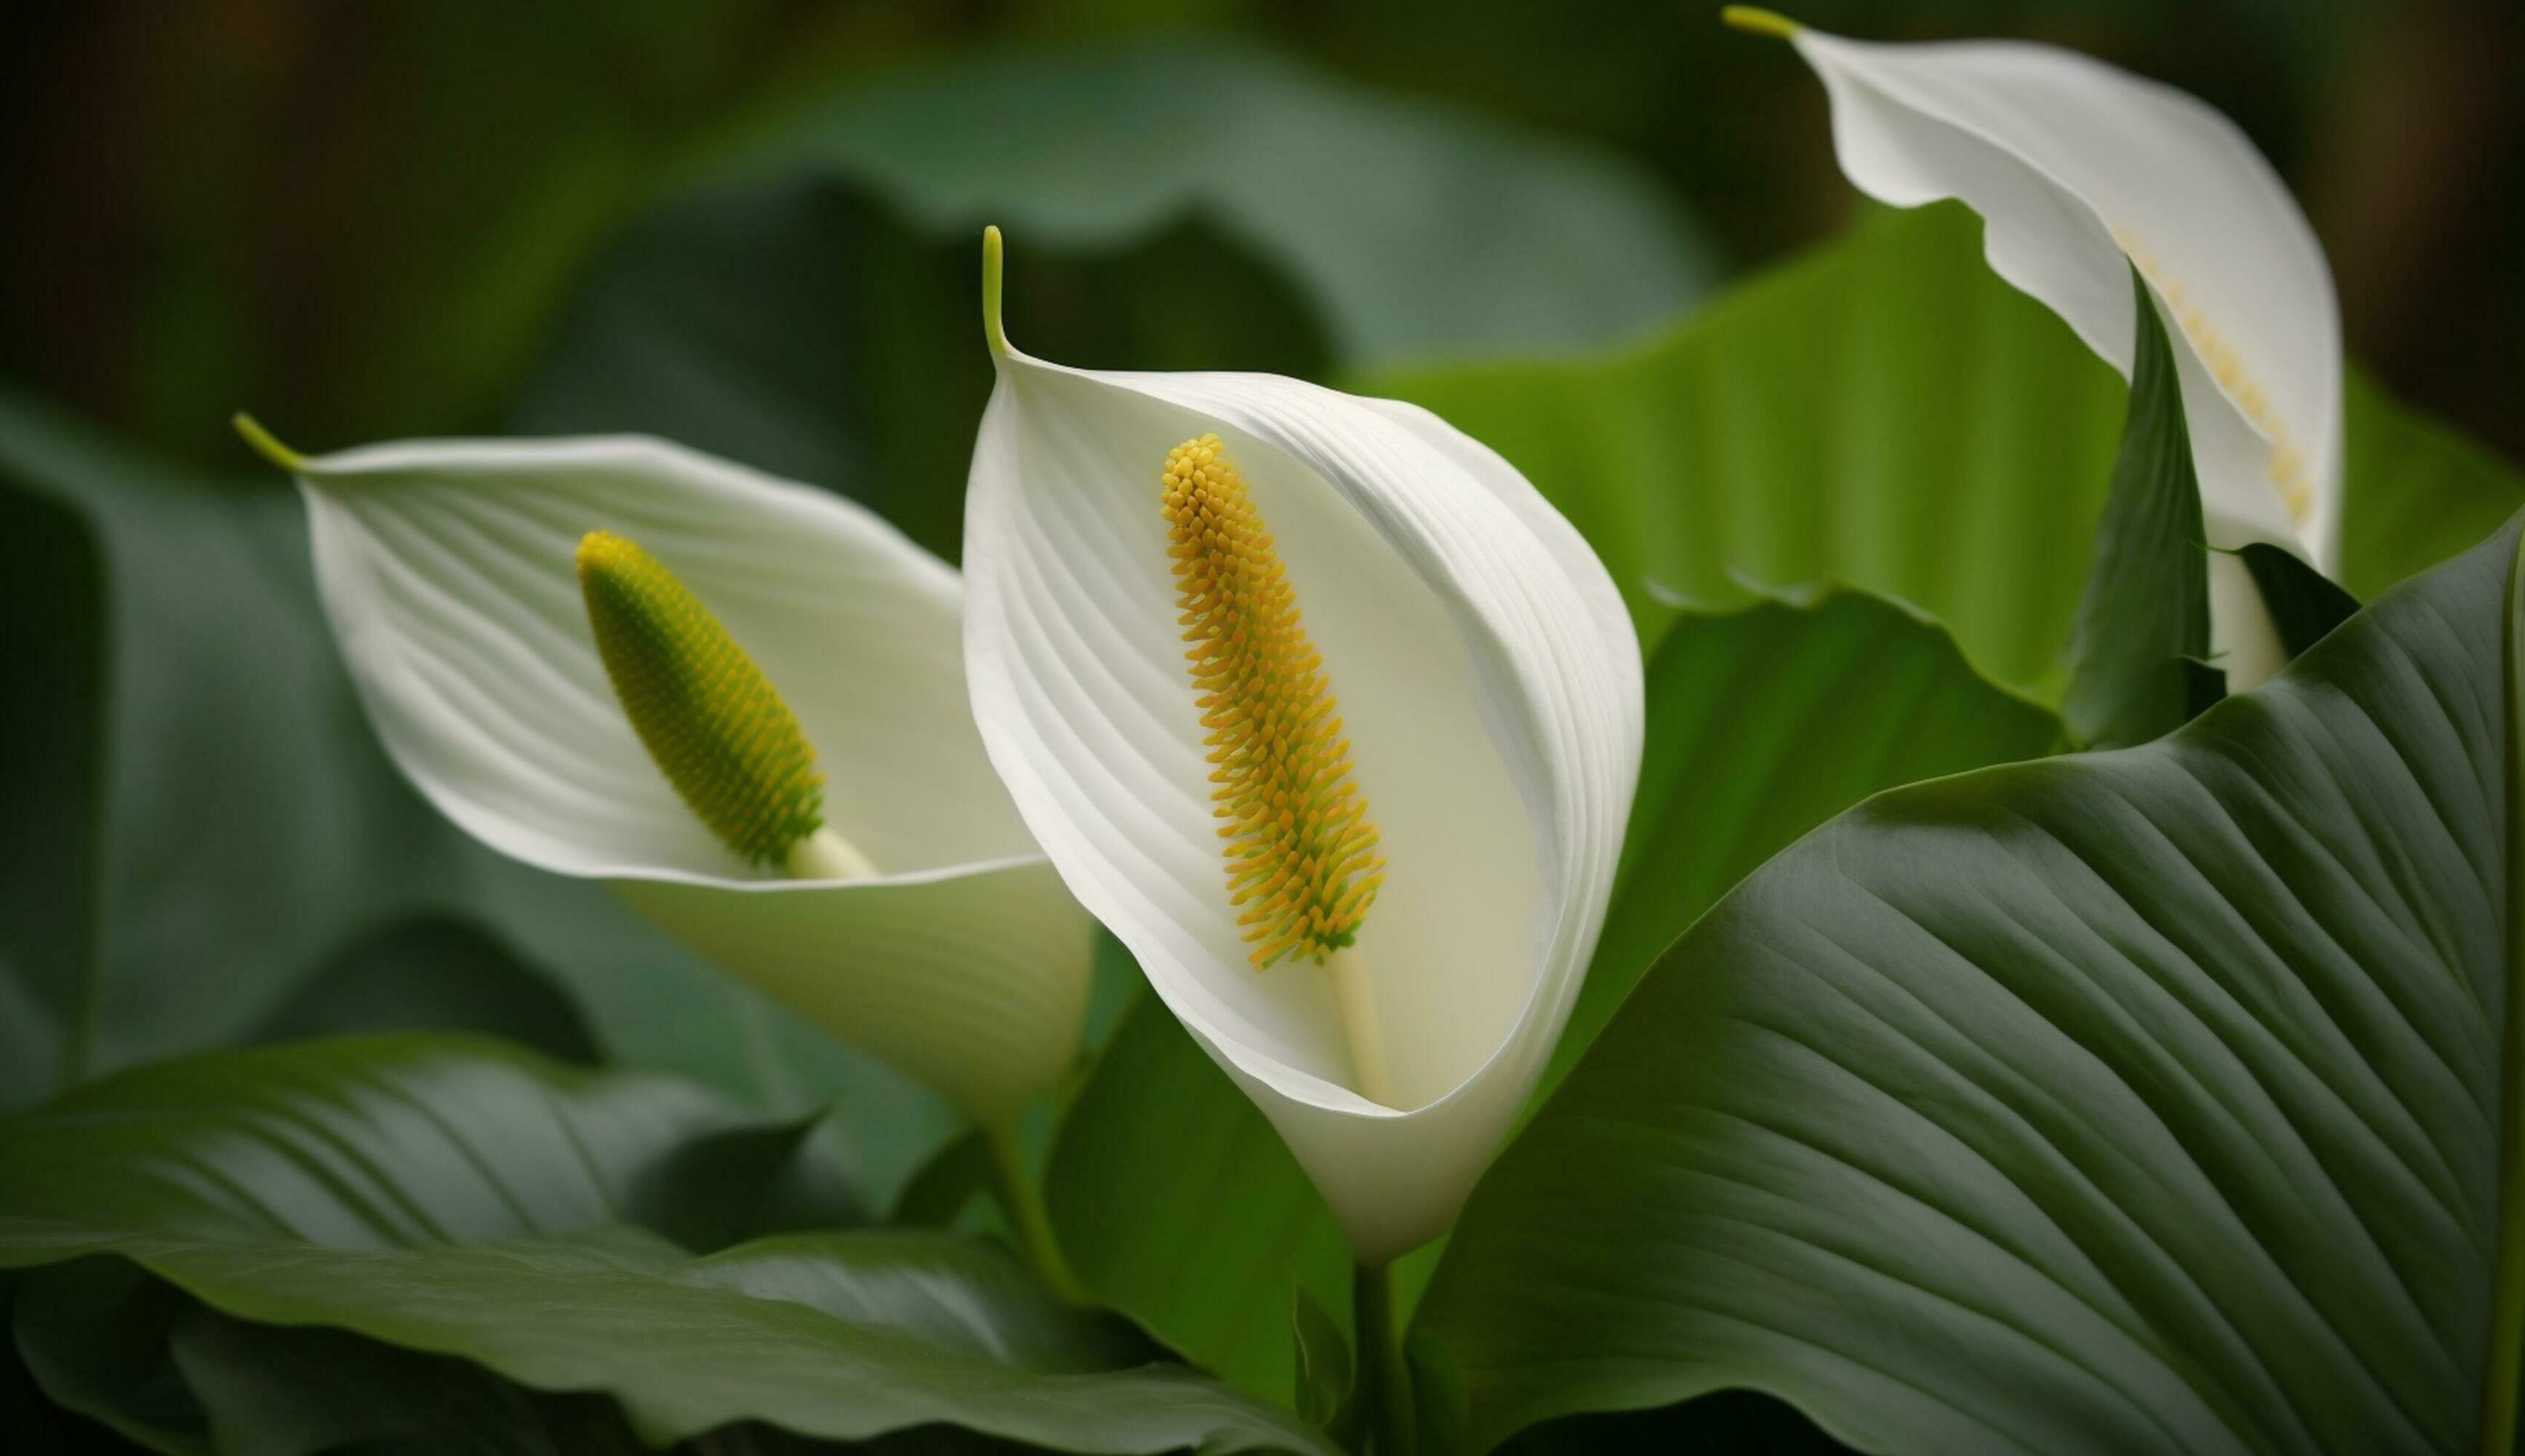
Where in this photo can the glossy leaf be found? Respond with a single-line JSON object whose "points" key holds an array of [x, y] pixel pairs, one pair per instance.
{"points": [[2305, 604], [1174, 1197], [2130, 1102], [454, 1197], [1763, 725], [2143, 623]]}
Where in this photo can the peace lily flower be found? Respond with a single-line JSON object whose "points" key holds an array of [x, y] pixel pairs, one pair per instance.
{"points": [[737, 702], [1331, 720], [2082, 172]]}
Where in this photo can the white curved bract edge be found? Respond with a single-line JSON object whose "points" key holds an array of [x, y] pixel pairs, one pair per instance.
{"points": [[447, 569], [1490, 685], [2082, 172]]}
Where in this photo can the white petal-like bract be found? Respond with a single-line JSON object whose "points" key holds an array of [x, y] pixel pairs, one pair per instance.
{"points": [[447, 570], [2081, 172], [1490, 685]]}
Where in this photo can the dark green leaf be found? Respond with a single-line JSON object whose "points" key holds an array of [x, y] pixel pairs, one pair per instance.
{"points": [[94, 1337], [1760, 726], [275, 1391], [432, 973], [1723, 1423], [2304, 603], [940, 1192], [1151, 195], [1412, 230], [2142, 625], [1178, 1203], [2132, 1101], [457, 1198], [718, 1189], [1179, 1206], [371, 1141], [52, 654]]}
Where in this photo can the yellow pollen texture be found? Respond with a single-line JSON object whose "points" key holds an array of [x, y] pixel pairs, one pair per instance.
{"points": [[707, 715], [1301, 860], [2286, 466]]}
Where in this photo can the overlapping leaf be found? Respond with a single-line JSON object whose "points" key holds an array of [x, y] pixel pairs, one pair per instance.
{"points": [[2150, 1100], [454, 1199], [1885, 414]]}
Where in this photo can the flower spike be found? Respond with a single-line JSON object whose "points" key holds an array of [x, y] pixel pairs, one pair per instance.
{"points": [[1300, 848], [704, 709]]}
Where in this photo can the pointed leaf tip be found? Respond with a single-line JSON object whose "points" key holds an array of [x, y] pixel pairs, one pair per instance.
{"points": [[992, 271], [265, 444], [1753, 20]]}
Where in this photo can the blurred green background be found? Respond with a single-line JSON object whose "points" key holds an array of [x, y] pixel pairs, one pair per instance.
{"points": [[751, 226], [366, 219]]}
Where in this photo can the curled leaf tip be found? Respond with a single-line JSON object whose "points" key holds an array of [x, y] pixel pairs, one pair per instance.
{"points": [[706, 712], [265, 444], [992, 271], [1756, 21]]}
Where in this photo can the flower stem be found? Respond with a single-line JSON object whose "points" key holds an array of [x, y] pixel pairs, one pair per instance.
{"points": [[1384, 1382], [1025, 1212]]}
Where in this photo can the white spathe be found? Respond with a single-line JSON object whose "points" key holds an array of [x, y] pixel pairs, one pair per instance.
{"points": [[2082, 171], [1491, 686], [447, 569]]}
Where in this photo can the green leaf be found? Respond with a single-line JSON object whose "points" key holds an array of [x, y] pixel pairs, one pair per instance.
{"points": [[1722, 1423], [269, 1390], [1370, 203], [2129, 1101], [455, 1197], [1880, 413], [1760, 726], [2419, 490], [1178, 1205], [52, 654], [943, 1186], [1885, 414], [368, 1142], [1172, 203], [2142, 625], [93, 1334], [2304, 603], [431, 973], [1323, 1360]]}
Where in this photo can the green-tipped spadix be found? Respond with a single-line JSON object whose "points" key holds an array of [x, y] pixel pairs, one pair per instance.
{"points": [[716, 727]]}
